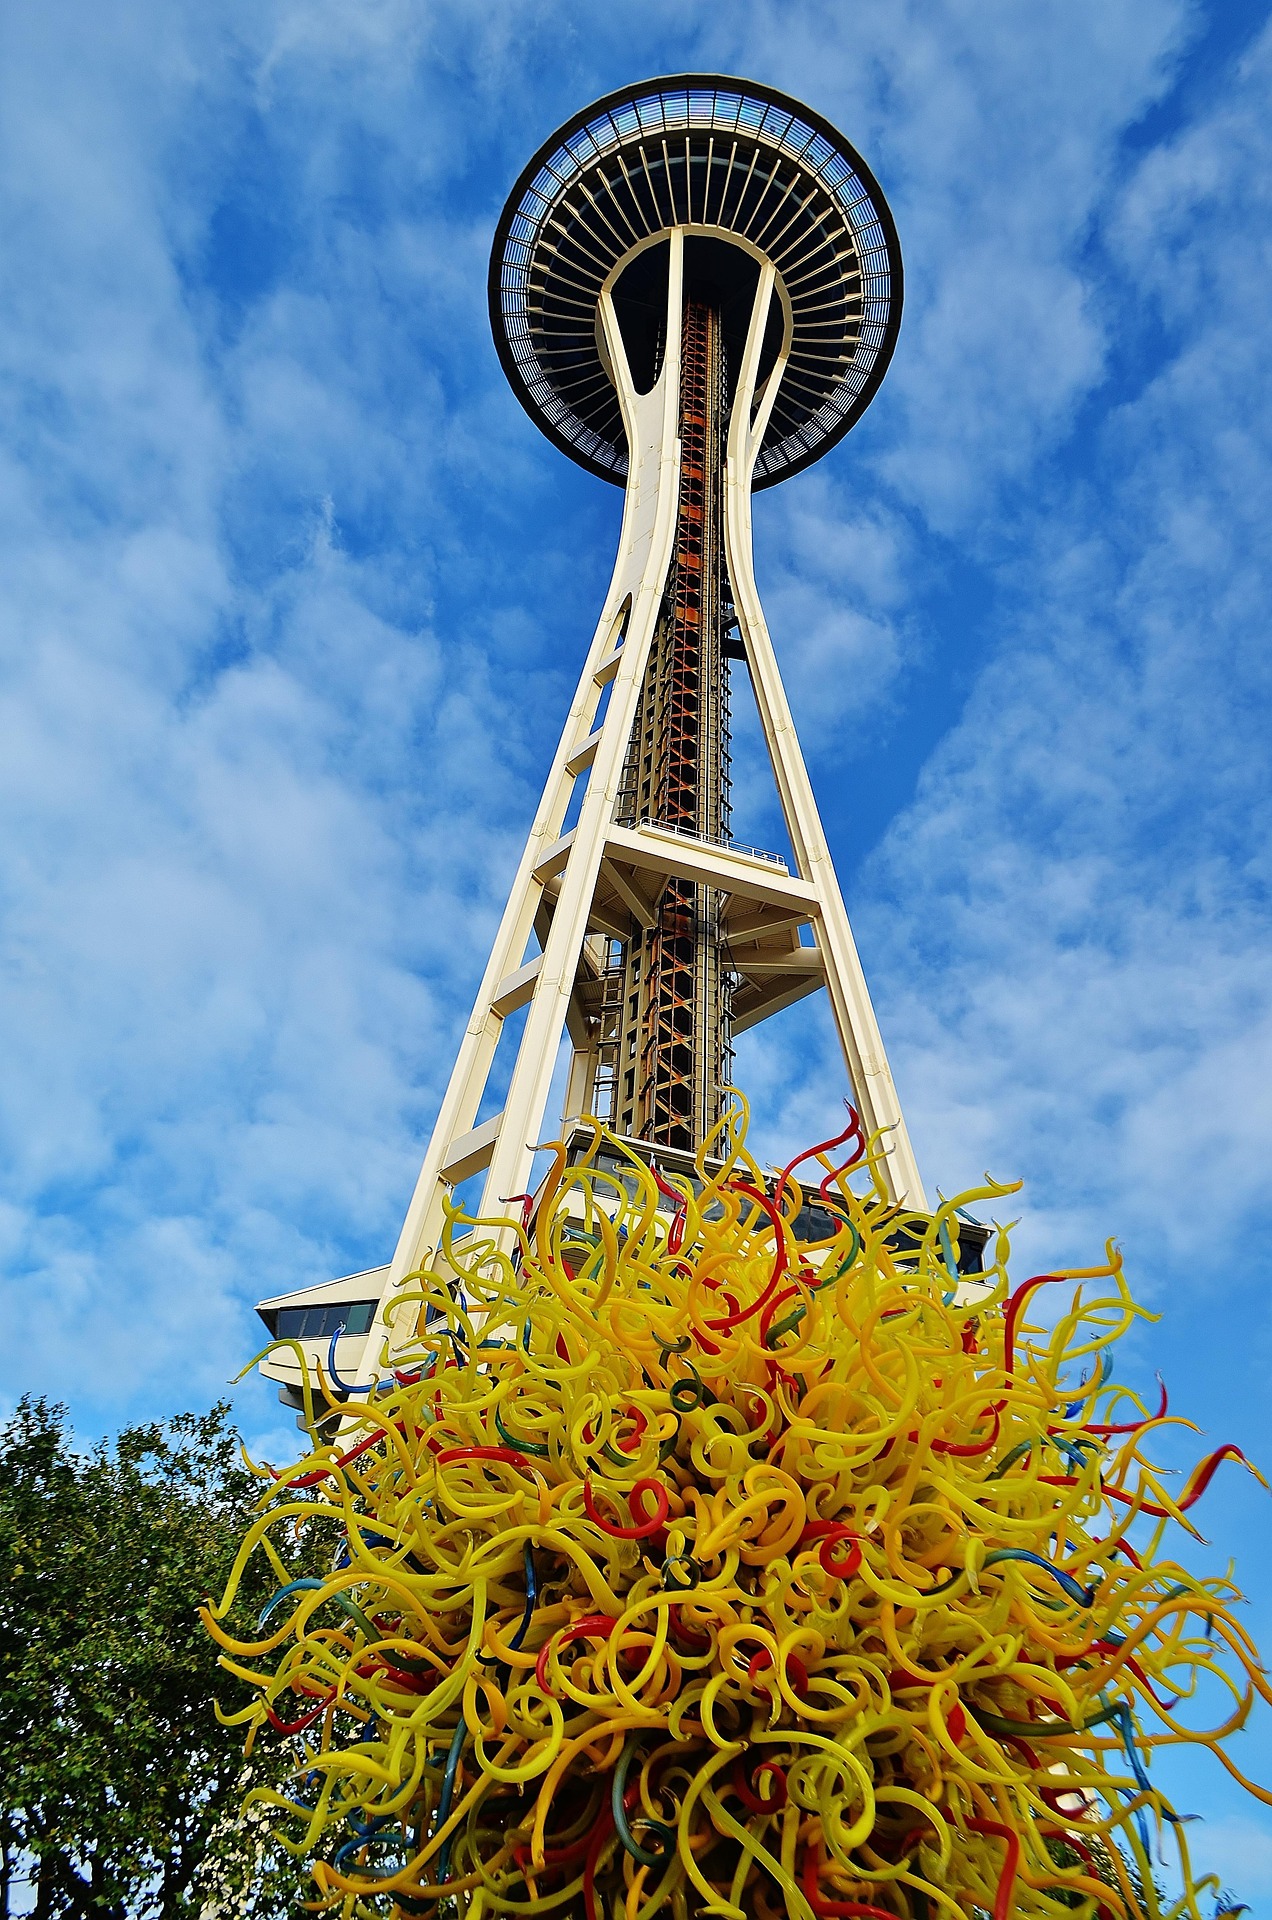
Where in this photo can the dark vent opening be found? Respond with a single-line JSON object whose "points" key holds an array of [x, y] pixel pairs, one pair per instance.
{"points": [[775, 327], [640, 306], [724, 277]]}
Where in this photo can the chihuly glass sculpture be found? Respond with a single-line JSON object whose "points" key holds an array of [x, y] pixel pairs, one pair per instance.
{"points": [[717, 1547]]}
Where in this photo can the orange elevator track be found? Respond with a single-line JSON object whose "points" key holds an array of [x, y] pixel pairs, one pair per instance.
{"points": [[673, 1052]]}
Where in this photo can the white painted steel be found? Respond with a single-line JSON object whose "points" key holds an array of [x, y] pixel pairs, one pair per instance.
{"points": [[855, 1020]]}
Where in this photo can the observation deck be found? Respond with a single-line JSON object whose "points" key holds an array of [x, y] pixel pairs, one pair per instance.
{"points": [[728, 162]]}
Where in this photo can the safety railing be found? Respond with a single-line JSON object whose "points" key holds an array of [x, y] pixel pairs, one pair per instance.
{"points": [[715, 840]]}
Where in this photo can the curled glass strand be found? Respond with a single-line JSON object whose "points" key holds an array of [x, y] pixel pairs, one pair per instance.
{"points": [[716, 1546]]}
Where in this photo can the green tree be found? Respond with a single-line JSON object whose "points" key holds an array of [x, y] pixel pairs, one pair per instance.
{"points": [[118, 1787]]}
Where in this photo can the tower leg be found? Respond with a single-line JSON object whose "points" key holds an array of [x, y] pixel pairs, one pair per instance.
{"points": [[558, 870], [854, 1015]]}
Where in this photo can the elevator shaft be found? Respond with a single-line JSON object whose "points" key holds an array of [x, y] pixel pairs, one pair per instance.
{"points": [[673, 1049]]}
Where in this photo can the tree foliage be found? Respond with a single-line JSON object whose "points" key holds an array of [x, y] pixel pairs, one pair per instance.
{"points": [[118, 1788]]}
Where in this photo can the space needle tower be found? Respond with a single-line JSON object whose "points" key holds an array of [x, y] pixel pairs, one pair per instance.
{"points": [[695, 291]]}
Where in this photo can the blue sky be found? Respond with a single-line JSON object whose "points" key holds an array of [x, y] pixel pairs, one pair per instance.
{"points": [[292, 597]]}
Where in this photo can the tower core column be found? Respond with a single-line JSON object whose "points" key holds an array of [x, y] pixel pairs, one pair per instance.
{"points": [[672, 1044]]}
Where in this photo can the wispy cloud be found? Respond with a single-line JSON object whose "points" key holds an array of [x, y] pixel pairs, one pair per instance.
{"points": [[1092, 836]]}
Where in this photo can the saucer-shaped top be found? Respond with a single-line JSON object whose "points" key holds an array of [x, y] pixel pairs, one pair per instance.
{"points": [[719, 157]]}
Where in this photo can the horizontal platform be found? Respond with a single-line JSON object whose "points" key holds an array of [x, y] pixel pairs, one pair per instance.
{"points": [[471, 1152], [742, 875], [366, 1285]]}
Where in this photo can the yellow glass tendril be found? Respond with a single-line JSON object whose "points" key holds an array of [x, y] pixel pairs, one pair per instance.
{"points": [[715, 1546]]}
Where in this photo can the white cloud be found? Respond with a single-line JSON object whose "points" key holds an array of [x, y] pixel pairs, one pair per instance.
{"points": [[835, 596], [233, 936], [1090, 841], [995, 133]]}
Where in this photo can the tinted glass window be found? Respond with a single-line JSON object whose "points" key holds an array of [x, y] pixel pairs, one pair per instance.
{"points": [[320, 1322], [813, 1223]]}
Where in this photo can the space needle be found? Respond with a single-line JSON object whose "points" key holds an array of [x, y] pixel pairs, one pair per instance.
{"points": [[695, 291]]}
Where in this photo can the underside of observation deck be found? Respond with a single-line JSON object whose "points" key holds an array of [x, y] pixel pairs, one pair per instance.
{"points": [[707, 155]]}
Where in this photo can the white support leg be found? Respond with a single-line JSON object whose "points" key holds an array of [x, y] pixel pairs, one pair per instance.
{"points": [[505, 1146], [854, 1015]]}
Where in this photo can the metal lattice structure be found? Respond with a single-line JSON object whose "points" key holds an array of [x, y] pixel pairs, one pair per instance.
{"points": [[674, 1026], [695, 290]]}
